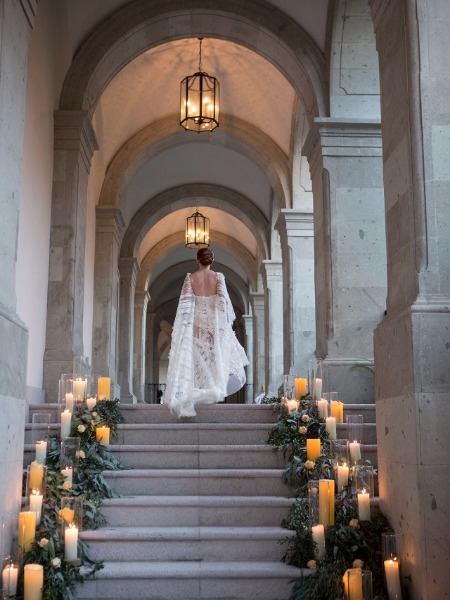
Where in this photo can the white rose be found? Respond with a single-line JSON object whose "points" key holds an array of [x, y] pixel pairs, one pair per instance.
{"points": [[56, 562], [43, 542], [81, 428]]}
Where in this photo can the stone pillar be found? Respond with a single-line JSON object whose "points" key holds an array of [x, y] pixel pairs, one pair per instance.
{"points": [[74, 146], [345, 159], [129, 269], [272, 274], [109, 227], [140, 329], [16, 21], [412, 343], [259, 341], [297, 246], [248, 325], [151, 353]]}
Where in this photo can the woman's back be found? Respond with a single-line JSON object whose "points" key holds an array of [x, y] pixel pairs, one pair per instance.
{"points": [[204, 282]]}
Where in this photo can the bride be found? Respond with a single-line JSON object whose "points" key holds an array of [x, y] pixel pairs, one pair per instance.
{"points": [[206, 361]]}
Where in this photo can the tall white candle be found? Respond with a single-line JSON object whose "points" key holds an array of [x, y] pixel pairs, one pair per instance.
{"points": [[36, 504], [33, 582], [391, 569], [9, 580], [69, 401], [355, 452], [322, 406], [71, 542], [317, 389], [41, 452], [342, 477], [66, 423], [68, 473], [364, 506], [79, 390], [330, 425], [318, 536]]}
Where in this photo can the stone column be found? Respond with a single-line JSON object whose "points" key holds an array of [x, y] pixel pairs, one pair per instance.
{"points": [[129, 269], [248, 325], [259, 342], [74, 146], [140, 329], [272, 274], [345, 159], [16, 22], [109, 227], [299, 327], [412, 343]]}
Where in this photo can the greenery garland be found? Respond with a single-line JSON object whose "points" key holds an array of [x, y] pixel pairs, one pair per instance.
{"points": [[350, 542], [61, 576]]}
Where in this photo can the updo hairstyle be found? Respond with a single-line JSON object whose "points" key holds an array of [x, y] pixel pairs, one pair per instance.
{"points": [[205, 256]]}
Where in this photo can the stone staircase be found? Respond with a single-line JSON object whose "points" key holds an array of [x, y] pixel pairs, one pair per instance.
{"points": [[201, 504]]}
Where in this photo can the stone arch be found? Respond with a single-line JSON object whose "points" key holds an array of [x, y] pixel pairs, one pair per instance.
{"points": [[140, 25], [166, 133], [205, 194], [231, 244]]}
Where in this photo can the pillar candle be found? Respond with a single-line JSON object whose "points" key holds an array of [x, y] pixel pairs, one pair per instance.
{"points": [[318, 536], [291, 405], [355, 452], [41, 452], [69, 402], [312, 449], [337, 410], [364, 506], [33, 582], [9, 580], [355, 584], [71, 542], [68, 473], [391, 569], [79, 390], [27, 530], [326, 501], [331, 427], [300, 387], [36, 504], [66, 423], [322, 406], [342, 477], [102, 435], [104, 388], [36, 476], [91, 402], [317, 388]]}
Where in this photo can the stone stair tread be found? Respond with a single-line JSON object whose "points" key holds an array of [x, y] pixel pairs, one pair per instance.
{"points": [[191, 447], [216, 501], [201, 473]]}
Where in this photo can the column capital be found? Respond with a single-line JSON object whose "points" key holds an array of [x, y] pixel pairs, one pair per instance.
{"points": [[294, 223], [109, 219], [129, 268], [257, 300], [74, 131], [141, 299], [272, 271]]}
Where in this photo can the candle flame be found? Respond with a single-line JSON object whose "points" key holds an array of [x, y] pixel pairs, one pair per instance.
{"points": [[35, 492]]}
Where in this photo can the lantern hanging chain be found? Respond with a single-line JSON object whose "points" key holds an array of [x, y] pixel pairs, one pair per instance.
{"points": [[200, 55]]}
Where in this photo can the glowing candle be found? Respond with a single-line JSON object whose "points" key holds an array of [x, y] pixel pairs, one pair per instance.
{"points": [[91, 402], [104, 388], [36, 476], [326, 501], [331, 427], [342, 477], [102, 435], [9, 580], [71, 542], [27, 530], [79, 390], [391, 569], [41, 452], [337, 410], [318, 536], [68, 473], [300, 387], [364, 506], [312, 449], [322, 406], [291, 405], [36, 504], [355, 584], [66, 423], [69, 402], [33, 582], [355, 452]]}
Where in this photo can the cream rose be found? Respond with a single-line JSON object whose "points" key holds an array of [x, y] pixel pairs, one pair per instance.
{"points": [[310, 464], [302, 430]]}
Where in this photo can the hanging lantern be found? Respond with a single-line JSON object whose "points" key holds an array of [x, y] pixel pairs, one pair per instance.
{"points": [[197, 231], [199, 110]]}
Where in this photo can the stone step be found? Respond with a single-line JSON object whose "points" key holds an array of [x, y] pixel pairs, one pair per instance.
{"points": [[212, 543], [203, 482], [191, 580], [190, 511]]}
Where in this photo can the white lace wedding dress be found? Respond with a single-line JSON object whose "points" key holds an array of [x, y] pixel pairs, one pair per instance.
{"points": [[206, 361]]}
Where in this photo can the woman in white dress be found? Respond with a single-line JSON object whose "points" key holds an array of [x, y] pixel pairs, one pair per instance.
{"points": [[206, 361]]}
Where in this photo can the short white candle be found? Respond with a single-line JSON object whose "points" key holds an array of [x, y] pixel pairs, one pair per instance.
{"points": [[364, 506], [355, 452], [322, 406], [36, 504], [79, 390], [69, 402], [66, 423], [9, 580], [391, 569], [91, 402], [33, 582], [41, 452], [318, 536], [330, 425], [342, 477], [71, 542], [68, 473], [291, 405]]}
